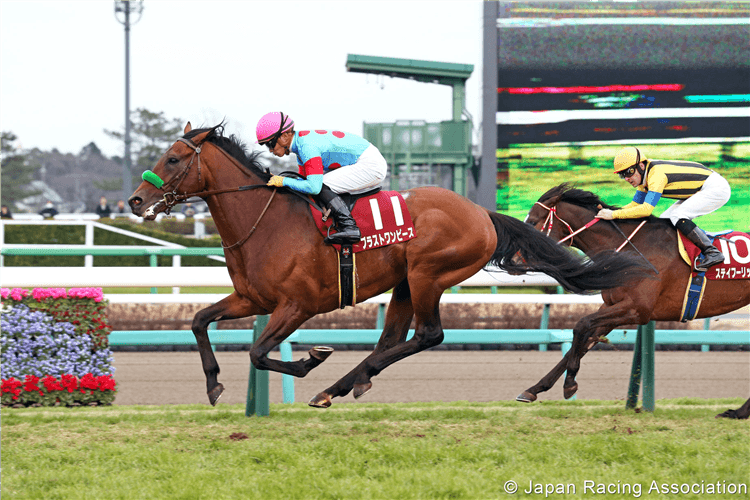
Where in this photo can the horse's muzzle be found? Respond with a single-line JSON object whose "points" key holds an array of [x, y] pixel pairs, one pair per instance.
{"points": [[139, 209]]}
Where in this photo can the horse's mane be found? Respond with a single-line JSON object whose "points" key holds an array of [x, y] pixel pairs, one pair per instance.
{"points": [[570, 194], [234, 147]]}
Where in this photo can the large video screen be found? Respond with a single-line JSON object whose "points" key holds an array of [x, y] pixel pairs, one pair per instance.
{"points": [[576, 81]]}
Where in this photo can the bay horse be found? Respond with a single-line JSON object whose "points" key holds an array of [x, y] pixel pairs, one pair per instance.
{"points": [[280, 266], [560, 213]]}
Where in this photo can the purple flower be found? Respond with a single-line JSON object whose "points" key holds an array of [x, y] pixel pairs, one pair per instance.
{"points": [[32, 343]]}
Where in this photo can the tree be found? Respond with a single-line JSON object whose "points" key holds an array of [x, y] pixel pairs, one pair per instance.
{"points": [[17, 171], [151, 135]]}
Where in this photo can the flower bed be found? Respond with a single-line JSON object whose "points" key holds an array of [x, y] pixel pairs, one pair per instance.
{"points": [[55, 348], [67, 390]]}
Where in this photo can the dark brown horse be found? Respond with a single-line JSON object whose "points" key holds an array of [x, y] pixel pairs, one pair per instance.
{"points": [[280, 266], [657, 297]]}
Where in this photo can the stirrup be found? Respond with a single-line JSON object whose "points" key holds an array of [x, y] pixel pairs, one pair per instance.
{"points": [[700, 265], [341, 238]]}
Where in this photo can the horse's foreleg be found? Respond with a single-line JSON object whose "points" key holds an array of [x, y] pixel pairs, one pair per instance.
{"points": [[549, 380], [397, 320], [742, 413], [283, 322], [230, 307], [546, 383], [585, 335]]}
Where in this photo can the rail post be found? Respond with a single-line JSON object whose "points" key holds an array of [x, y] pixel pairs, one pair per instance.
{"points": [[257, 385], [643, 368], [88, 260]]}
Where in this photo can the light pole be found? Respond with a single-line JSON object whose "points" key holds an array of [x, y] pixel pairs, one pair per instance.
{"points": [[126, 8]]}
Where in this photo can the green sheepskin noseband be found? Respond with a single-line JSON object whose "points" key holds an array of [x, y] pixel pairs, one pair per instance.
{"points": [[151, 177]]}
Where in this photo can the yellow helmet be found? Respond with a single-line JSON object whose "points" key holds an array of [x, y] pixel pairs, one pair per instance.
{"points": [[628, 157]]}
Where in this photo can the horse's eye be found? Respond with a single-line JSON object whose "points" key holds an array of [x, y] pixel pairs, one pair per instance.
{"points": [[172, 160]]}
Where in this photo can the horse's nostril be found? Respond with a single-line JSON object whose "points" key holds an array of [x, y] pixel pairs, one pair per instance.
{"points": [[135, 201]]}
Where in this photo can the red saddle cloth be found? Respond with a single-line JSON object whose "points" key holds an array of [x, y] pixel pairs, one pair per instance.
{"points": [[382, 218], [736, 249]]}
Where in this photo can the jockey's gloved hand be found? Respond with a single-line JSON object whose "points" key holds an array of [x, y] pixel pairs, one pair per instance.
{"points": [[276, 181], [605, 213]]}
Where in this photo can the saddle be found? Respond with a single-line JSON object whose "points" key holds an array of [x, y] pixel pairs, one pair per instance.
{"points": [[383, 219], [736, 249]]}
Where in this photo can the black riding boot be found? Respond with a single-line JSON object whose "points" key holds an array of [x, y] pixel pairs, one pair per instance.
{"points": [[711, 254], [348, 232]]}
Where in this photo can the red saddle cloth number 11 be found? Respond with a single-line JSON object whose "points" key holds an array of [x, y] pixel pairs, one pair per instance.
{"points": [[383, 219]]}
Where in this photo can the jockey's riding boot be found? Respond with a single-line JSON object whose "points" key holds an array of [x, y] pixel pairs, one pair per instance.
{"points": [[711, 254], [348, 232]]}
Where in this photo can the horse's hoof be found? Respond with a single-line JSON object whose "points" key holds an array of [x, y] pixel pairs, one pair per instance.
{"points": [[526, 397], [215, 393], [322, 400], [736, 414], [321, 352], [569, 392], [361, 389]]}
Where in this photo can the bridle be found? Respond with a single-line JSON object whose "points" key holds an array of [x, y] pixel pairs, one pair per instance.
{"points": [[172, 198], [550, 219], [552, 215]]}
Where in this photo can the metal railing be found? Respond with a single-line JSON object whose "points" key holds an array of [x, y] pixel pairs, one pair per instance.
{"points": [[218, 276]]}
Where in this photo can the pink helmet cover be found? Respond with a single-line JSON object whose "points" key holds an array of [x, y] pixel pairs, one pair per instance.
{"points": [[270, 125]]}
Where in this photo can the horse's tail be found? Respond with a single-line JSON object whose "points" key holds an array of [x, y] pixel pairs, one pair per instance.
{"points": [[539, 253]]}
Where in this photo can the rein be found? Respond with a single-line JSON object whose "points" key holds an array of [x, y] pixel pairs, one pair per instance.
{"points": [[552, 215], [255, 226]]}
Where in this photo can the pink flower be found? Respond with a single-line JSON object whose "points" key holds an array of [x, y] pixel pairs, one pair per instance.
{"points": [[5, 292], [18, 293], [44, 293], [86, 293], [40, 294]]}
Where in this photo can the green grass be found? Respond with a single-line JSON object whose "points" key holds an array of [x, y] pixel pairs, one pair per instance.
{"points": [[431, 450]]}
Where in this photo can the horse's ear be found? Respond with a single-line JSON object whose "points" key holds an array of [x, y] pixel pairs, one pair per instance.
{"points": [[188, 128], [198, 139]]}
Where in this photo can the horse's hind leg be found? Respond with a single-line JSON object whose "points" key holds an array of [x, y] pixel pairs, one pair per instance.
{"points": [[742, 413], [589, 329], [230, 307], [428, 333], [397, 320]]}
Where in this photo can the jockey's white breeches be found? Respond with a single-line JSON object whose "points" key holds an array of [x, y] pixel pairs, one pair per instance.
{"points": [[366, 174], [713, 195]]}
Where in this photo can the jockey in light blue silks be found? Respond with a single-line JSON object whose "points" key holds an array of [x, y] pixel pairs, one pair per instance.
{"points": [[331, 162]]}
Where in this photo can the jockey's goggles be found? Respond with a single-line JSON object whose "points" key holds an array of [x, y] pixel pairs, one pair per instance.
{"points": [[627, 173]]}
